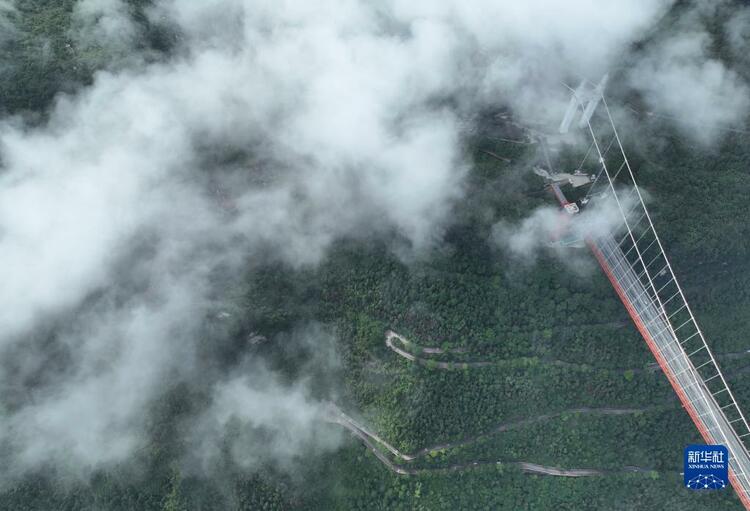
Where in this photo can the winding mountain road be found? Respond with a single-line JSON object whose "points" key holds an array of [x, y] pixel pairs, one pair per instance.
{"points": [[370, 439], [390, 335], [376, 444], [392, 338]]}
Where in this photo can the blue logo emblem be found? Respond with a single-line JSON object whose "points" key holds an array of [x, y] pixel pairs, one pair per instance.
{"points": [[706, 467]]}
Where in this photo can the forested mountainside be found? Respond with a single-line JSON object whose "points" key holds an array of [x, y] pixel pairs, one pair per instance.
{"points": [[512, 361]]}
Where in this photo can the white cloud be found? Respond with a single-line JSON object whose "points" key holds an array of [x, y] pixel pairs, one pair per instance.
{"points": [[347, 118], [546, 226], [679, 78]]}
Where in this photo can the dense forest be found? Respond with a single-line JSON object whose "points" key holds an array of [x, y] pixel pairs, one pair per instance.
{"points": [[555, 340]]}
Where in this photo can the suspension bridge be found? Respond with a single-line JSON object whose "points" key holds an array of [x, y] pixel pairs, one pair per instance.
{"points": [[632, 256]]}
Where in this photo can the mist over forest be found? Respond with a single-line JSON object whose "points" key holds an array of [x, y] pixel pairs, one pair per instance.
{"points": [[211, 213]]}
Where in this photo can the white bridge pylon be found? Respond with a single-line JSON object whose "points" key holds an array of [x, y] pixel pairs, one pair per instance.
{"points": [[633, 258]]}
